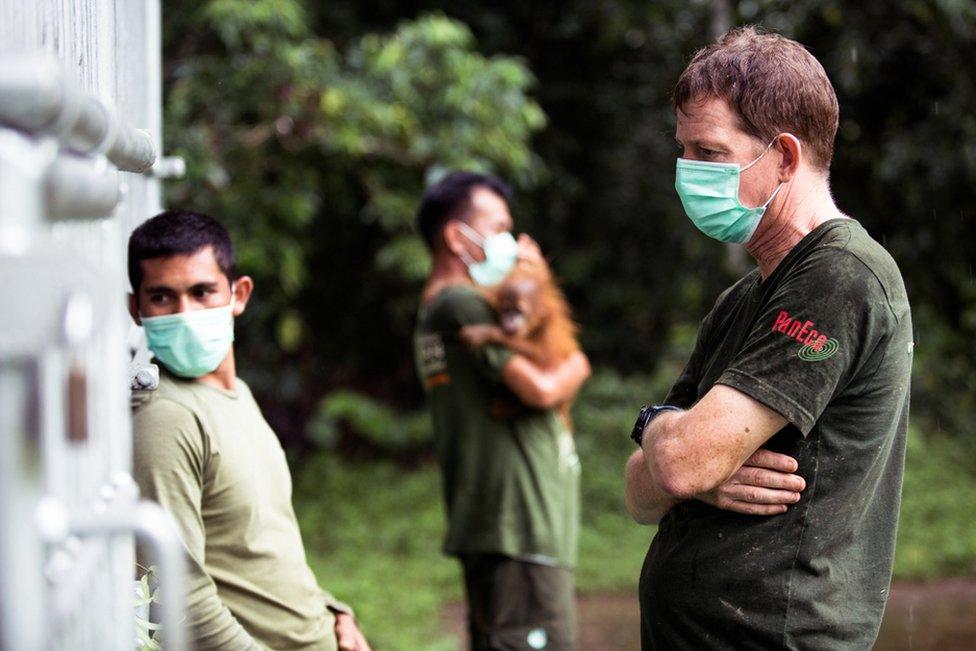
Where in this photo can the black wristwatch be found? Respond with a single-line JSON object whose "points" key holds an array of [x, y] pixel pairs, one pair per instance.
{"points": [[644, 418]]}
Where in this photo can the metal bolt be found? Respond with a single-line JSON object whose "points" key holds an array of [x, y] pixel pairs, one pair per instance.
{"points": [[107, 493], [168, 167]]}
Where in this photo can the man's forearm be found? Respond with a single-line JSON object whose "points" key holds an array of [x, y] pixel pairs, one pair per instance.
{"points": [[175, 487], [216, 629], [646, 502], [213, 626], [544, 388], [689, 453], [570, 376], [665, 455]]}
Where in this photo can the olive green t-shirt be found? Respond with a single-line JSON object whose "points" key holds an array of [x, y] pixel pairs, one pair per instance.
{"points": [[826, 341], [210, 459], [511, 482]]}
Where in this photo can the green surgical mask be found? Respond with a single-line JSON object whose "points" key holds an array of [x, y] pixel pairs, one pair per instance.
{"points": [[194, 343], [709, 193], [501, 252]]}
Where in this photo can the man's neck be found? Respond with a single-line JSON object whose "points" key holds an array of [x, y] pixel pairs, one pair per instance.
{"points": [[446, 271], [224, 376], [799, 212]]}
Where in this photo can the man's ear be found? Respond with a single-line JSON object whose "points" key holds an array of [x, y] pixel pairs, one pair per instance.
{"points": [[243, 287], [459, 244], [134, 309], [453, 239], [792, 150]]}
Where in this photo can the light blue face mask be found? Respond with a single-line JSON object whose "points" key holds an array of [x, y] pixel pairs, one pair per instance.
{"points": [[501, 252], [709, 193], [194, 343]]}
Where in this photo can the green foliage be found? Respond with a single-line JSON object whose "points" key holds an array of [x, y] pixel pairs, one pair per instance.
{"points": [[372, 532], [311, 129], [603, 416], [937, 531], [147, 595], [944, 381], [314, 157], [369, 419], [236, 21], [422, 99]]}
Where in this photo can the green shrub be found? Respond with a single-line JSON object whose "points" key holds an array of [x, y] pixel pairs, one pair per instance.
{"points": [[937, 529]]}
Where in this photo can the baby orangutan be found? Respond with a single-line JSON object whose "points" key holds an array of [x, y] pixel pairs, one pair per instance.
{"points": [[534, 320]]}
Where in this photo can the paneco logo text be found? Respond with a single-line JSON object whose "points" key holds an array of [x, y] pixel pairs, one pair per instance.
{"points": [[815, 345]]}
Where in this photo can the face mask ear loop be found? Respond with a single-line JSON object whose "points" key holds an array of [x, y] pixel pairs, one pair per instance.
{"points": [[472, 234], [474, 237], [773, 195], [765, 151]]}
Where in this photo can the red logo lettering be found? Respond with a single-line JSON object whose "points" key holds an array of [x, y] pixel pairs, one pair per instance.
{"points": [[782, 319], [803, 331]]}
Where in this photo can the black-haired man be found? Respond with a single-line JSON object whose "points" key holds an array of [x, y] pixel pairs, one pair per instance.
{"points": [[511, 483], [203, 451]]}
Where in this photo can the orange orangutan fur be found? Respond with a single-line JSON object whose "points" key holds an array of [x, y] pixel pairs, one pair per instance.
{"points": [[551, 333], [548, 335]]}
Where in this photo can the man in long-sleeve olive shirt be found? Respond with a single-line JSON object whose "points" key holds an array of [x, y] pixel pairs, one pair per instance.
{"points": [[203, 450]]}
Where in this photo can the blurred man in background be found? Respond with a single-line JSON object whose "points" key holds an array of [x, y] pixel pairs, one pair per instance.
{"points": [[203, 450], [511, 482], [808, 356]]}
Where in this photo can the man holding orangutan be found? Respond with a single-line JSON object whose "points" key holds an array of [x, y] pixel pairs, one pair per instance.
{"points": [[510, 474]]}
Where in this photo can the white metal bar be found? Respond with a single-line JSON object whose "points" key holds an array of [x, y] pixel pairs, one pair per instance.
{"points": [[21, 588], [126, 514], [36, 97], [75, 188], [22, 164], [61, 142]]}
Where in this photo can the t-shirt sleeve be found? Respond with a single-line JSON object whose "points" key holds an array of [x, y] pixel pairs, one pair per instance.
{"points": [[815, 334], [169, 461], [472, 309]]}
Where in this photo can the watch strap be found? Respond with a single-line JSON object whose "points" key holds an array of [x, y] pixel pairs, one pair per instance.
{"points": [[648, 414]]}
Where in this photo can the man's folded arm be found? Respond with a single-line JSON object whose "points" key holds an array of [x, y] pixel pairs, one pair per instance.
{"points": [[168, 464], [646, 502], [693, 452]]}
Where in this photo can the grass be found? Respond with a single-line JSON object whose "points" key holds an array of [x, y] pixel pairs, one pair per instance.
{"points": [[373, 529], [372, 534]]}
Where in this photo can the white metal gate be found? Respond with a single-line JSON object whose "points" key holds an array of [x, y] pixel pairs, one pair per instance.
{"points": [[76, 78]]}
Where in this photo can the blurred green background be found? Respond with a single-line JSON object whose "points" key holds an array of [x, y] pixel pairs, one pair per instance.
{"points": [[311, 129]]}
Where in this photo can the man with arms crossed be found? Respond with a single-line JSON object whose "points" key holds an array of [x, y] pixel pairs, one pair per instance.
{"points": [[203, 450], [775, 467], [511, 476]]}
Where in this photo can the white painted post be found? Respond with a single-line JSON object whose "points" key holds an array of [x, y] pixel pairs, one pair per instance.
{"points": [[78, 138]]}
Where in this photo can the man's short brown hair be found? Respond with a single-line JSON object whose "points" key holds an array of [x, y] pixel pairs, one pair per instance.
{"points": [[772, 83]]}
